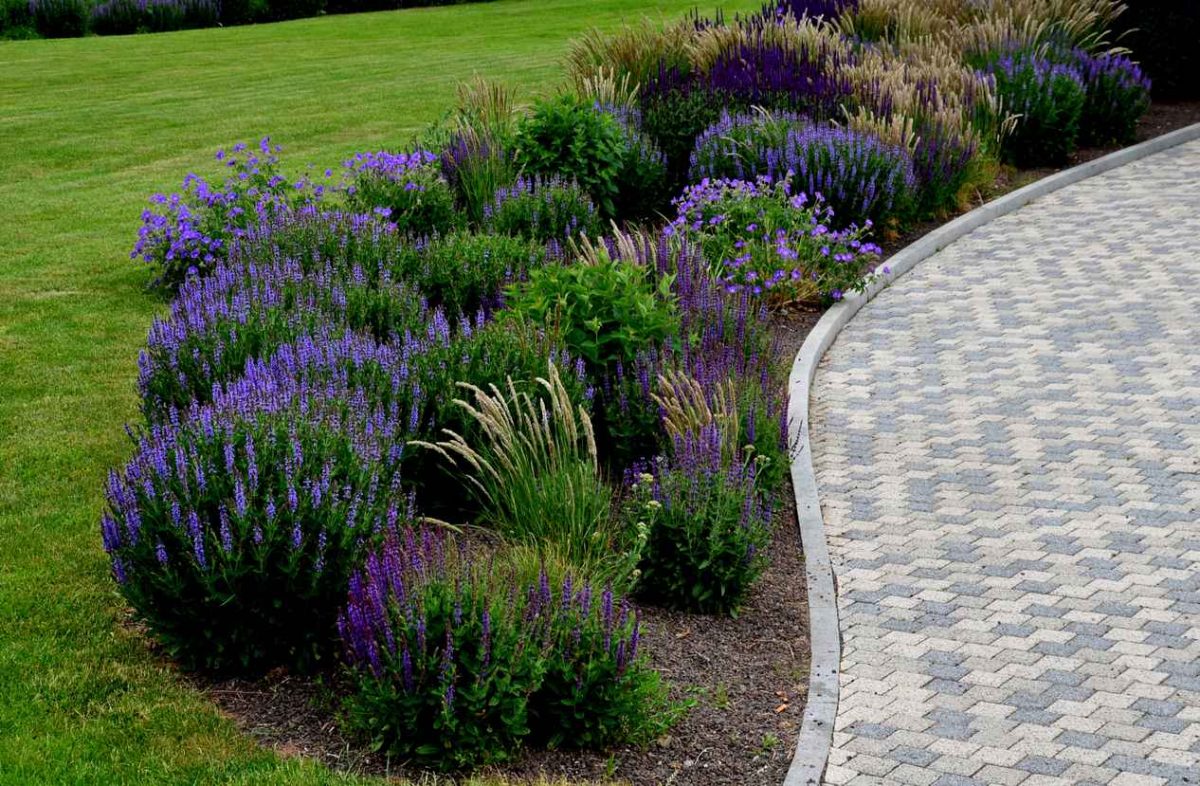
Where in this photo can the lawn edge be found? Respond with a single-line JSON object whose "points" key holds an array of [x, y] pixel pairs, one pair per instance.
{"points": [[820, 711]]}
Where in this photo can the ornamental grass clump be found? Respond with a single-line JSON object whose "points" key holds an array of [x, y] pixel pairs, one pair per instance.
{"points": [[544, 210], [476, 164], [1047, 99], [190, 233], [763, 238], [859, 176], [456, 661], [534, 470], [786, 65], [407, 188], [707, 523], [233, 531]]}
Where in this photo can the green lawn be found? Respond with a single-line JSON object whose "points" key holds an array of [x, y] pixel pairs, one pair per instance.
{"points": [[88, 128]]}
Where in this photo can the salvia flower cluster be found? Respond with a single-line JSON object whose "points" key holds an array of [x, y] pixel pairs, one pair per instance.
{"points": [[189, 233], [708, 523], [544, 209], [1047, 97], [457, 660], [860, 176], [1118, 93], [761, 237], [233, 530]]}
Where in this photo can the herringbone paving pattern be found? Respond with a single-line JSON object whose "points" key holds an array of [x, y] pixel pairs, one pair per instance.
{"points": [[1007, 446]]}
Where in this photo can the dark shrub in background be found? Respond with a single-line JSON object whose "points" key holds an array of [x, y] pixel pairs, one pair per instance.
{"points": [[60, 18], [1165, 38]]}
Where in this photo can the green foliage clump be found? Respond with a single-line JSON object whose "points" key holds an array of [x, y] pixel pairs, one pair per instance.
{"points": [[607, 310], [569, 138], [463, 272], [708, 524]]}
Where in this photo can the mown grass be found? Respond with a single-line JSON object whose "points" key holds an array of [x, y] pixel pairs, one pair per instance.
{"points": [[88, 128]]}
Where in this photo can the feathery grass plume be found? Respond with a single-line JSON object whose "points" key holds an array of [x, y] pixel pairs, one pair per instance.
{"points": [[637, 51], [898, 21], [689, 408], [487, 106], [980, 39], [1082, 23], [605, 87], [535, 473], [808, 37]]}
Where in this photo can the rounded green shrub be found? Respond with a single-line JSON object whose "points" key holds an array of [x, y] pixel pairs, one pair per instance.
{"points": [[569, 138]]}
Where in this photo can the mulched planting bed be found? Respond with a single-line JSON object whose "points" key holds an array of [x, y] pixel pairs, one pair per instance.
{"points": [[747, 676]]}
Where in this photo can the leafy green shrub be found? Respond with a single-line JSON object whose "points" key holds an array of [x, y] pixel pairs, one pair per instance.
{"points": [[233, 532], [764, 239], [455, 662], [544, 210], [1048, 98], [566, 137], [60, 18], [463, 272], [608, 310], [407, 187], [707, 524], [537, 478], [673, 116]]}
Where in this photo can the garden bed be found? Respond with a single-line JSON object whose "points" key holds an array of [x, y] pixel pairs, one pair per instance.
{"points": [[747, 676], [463, 332]]}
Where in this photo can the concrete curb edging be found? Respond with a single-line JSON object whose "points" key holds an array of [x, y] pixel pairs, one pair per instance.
{"points": [[820, 711]]}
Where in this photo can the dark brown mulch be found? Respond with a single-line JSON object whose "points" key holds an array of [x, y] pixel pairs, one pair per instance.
{"points": [[748, 675]]}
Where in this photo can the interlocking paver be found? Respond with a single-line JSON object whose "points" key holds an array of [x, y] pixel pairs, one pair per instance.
{"points": [[1007, 444]]}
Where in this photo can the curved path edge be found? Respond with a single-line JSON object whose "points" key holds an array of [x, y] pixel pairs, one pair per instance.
{"points": [[820, 711]]}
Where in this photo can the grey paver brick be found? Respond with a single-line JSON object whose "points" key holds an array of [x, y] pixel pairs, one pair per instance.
{"points": [[1007, 443]]}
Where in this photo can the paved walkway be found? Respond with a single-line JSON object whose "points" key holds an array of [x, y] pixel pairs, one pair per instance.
{"points": [[1007, 445]]}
